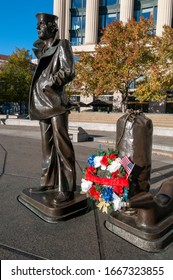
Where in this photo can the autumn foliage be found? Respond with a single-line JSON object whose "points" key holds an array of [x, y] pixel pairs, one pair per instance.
{"points": [[128, 53], [159, 76]]}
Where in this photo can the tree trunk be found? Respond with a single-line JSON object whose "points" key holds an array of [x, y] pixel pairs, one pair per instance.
{"points": [[20, 104], [124, 105], [123, 108]]}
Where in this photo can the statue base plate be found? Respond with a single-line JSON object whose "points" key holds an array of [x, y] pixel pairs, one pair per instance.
{"points": [[41, 205], [151, 239]]}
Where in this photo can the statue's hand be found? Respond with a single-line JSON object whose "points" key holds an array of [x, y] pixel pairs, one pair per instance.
{"points": [[45, 83]]}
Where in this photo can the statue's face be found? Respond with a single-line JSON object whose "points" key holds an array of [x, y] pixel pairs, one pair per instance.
{"points": [[44, 30]]}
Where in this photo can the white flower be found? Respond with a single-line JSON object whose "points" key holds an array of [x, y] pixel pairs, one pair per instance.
{"points": [[117, 202], [86, 185], [103, 167], [114, 166], [97, 160]]}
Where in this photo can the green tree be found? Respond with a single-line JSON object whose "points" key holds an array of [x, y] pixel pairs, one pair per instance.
{"points": [[159, 76], [16, 75]]}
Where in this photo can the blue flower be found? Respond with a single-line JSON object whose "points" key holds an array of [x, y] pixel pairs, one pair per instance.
{"points": [[91, 160], [107, 194]]}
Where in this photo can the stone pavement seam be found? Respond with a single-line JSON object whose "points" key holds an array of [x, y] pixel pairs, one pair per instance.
{"points": [[3, 160], [21, 252]]}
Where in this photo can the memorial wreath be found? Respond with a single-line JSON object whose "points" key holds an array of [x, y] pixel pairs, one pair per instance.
{"points": [[106, 179]]}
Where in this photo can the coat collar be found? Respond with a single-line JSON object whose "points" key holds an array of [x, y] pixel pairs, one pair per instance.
{"points": [[49, 51], [40, 51]]}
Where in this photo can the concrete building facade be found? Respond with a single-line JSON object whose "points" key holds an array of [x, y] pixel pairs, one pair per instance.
{"points": [[81, 21]]}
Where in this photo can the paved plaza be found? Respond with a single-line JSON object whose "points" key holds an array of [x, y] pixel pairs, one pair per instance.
{"points": [[23, 235]]}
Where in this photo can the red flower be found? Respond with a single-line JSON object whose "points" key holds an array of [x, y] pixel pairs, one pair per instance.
{"points": [[91, 170], [112, 157], [104, 160], [94, 193], [115, 174]]}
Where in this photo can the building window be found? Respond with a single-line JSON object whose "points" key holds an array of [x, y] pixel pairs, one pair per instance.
{"points": [[78, 4], [77, 41], [155, 14], [78, 18], [78, 22], [106, 19], [111, 17], [108, 2], [147, 13], [137, 15]]}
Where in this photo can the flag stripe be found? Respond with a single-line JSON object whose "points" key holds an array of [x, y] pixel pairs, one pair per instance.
{"points": [[127, 164]]}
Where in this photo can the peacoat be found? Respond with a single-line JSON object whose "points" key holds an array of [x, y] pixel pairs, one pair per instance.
{"points": [[55, 69]]}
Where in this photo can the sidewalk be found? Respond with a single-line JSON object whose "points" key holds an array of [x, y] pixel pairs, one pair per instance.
{"points": [[25, 236], [162, 145]]}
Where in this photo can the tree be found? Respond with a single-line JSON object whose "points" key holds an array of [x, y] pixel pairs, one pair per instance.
{"points": [[124, 55], [86, 79], [16, 76], [159, 78]]}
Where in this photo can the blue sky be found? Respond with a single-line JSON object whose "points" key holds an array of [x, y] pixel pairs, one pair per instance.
{"points": [[18, 23]]}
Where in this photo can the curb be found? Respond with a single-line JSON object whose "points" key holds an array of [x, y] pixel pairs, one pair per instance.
{"points": [[111, 127], [158, 149]]}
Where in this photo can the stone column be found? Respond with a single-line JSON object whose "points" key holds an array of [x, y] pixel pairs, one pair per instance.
{"points": [[67, 18], [126, 10], [59, 10], [164, 15], [91, 28]]}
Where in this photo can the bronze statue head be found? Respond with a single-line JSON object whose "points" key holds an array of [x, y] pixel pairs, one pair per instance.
{"points": [[47, 25]]}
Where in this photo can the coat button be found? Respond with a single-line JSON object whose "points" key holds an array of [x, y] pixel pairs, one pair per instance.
{"points": [[44, 74]]}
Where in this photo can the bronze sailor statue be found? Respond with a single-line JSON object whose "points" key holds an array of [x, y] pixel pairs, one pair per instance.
{"points": [[48, 104]]}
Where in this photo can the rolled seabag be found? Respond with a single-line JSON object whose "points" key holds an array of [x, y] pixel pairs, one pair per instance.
{"points": [[134, 133]]}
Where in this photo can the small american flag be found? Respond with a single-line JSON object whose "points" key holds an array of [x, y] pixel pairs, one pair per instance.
{"points": [[127, 164]]}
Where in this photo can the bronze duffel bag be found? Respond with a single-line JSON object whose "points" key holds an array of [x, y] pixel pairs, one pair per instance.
{"points": [[134, 138]]}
